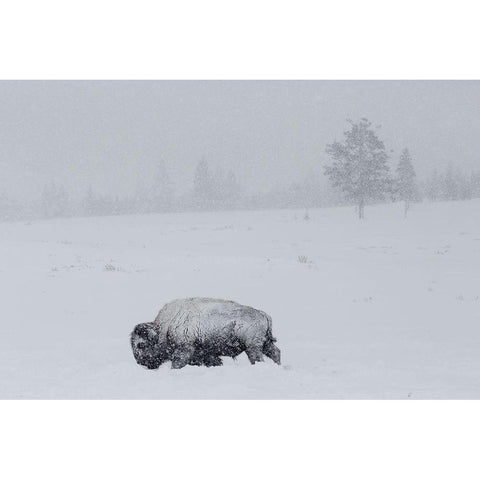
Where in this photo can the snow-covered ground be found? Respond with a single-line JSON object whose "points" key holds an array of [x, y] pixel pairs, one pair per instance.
{"points": [[382, 308]]}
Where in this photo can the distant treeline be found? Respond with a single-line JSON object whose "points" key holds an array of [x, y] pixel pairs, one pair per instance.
{"points": [[452, 184], [211, 190], [217, 190]]}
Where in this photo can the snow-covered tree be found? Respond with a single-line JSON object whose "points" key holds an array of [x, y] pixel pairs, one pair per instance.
{"points": [[89, 206], [433, 188], [162, 193], [142, 198], [405, 186], [9, 208], [226, 190], [450, 185], [95, 204], [204, 186], [464, 185], [54, 201], [475, 184], [232, 185], [359, 166]]}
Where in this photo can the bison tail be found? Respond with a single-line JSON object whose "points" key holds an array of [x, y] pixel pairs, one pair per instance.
{"points": [[269, 328]]}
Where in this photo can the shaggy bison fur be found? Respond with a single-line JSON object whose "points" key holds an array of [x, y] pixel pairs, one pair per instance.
{"points": [[198, 331]]}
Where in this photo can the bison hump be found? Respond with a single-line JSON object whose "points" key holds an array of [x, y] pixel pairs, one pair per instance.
{"points": [[201, 317]]}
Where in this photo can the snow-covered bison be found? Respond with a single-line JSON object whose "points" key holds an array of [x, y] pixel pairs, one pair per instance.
{"points": [[198, 331]]}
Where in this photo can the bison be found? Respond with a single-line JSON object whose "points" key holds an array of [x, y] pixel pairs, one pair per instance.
{"points": [[198, 331]]}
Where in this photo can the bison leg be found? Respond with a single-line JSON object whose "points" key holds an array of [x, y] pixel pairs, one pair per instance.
{"points": [[271, 351], [196, 360], [212, 361], [254, 354], [182, 357]]}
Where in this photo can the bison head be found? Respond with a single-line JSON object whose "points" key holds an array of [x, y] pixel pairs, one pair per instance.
{"points": [[146, 346]]}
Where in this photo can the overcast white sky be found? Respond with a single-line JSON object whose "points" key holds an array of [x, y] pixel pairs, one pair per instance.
{"points": [[110, 134]]}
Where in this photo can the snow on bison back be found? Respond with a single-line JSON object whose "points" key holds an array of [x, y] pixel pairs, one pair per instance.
{"points": [[198, 331]]}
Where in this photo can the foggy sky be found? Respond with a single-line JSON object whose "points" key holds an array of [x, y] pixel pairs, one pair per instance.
{"points": [[110, 134]]}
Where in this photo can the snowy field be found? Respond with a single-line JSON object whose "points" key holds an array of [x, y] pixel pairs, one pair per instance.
{"points": [[382, 308]]}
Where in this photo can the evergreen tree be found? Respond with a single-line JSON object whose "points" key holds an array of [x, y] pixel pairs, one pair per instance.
{"points": [[232, 190], [5, 207], [95, 204], [162, 194], [142, 198], [405, 187], [11, 209], [89, 203], [54, 201], [453, 184], [359, 166], [450, 185], [475, 185], [203, 186], [433, 189], [225, 190], [464, 187]]}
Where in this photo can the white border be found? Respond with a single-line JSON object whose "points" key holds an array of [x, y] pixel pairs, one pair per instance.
{"points": [[237, 440], [239, 40], [251, 39]]}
